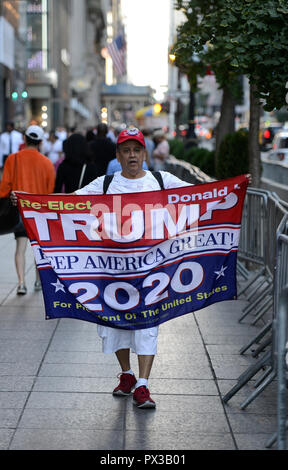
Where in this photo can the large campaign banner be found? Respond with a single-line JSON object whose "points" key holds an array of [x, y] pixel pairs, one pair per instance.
{"points": [[136, 260]]}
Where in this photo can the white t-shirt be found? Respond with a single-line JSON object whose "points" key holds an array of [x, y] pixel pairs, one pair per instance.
{"points": [[53, 150], [139, 341], [120, 184], [16, 140]]}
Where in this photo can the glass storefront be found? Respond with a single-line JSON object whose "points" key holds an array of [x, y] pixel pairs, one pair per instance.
{"points": [[37, 35]]}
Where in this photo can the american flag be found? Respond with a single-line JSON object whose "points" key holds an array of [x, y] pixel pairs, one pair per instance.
{"points": [[116, 51]]}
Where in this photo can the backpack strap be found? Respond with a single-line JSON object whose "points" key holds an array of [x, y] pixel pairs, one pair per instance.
{"points": [[159, 178], [106, 183]]}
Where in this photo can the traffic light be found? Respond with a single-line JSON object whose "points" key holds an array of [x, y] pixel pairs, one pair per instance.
{"points": [[15, 95], [267, 134]]}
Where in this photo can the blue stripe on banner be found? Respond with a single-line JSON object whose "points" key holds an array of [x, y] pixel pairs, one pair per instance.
{"points": [[179, 290]]}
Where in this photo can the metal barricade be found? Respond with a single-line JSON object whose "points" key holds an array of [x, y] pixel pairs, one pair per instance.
{"points": [[277, 210], [186, 171], [282, 350], [264, 245], [274, 268], [274, 213], [252, 237], [253, 249], [280, 336]]}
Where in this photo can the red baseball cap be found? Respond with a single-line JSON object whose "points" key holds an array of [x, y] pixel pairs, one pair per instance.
{"points": [[131, 134]]}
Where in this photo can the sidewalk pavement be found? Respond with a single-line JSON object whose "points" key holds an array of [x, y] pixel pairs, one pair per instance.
{"points": [[56, 384]]}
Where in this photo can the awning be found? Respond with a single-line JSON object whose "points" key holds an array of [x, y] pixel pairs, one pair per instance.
{"points": [[152, 110]]}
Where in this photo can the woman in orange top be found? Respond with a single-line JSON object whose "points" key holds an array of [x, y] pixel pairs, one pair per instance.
{"points": [[30, 171]]}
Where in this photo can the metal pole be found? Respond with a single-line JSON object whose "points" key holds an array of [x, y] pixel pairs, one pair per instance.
{"points": [[281, 369]]}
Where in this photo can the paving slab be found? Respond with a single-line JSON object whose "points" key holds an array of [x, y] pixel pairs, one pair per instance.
{"points": [[5, 437], [71, 439], [172, 440], [184, 421], [55, 382], [62, 418]]}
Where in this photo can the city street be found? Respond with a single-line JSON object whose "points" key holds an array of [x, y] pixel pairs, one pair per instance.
{"points": [[274, 174], [125, 98], [55, 387]]}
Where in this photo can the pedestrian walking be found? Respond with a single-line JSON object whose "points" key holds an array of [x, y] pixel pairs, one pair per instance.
{"points": [[112, 135], [132, 178], [102, 149], [10, 140], [161, 151], [90, 135], [53, 147], [150, 146], [30, 171], [77, 169]]}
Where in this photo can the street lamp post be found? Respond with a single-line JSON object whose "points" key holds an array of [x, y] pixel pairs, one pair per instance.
{"points": [[171, 91]]}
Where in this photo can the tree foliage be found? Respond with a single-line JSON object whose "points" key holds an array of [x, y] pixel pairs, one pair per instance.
{"points": [[200, 157], [248, 37], [233, 155]]}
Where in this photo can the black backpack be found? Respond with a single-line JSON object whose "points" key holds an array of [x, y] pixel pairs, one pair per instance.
{"points": [[109, 178]]}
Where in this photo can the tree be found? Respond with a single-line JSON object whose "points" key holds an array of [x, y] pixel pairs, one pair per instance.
{"points": [[196, 53], [248, 37]]}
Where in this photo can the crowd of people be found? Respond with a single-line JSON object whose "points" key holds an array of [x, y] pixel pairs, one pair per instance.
{"points": [[63, 161], [94, 145], [80, 168]]}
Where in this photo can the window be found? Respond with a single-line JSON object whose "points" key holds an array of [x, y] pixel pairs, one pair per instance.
{"points": [[37, 35], [283, 144]]}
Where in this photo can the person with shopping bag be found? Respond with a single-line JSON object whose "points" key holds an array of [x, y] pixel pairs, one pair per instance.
{"points": [[30, 171]]}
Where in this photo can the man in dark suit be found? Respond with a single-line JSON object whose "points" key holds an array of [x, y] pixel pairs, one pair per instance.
{"points": [[102, 149]]}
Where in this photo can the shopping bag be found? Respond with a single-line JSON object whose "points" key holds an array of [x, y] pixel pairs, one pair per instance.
{"points": [[9, 216]]}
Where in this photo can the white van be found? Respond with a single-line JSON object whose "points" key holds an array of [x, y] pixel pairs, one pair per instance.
{"points": [[279, 151]]}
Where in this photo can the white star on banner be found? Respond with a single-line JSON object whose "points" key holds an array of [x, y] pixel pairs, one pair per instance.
{"points": [[221, 272], [58, 286]]}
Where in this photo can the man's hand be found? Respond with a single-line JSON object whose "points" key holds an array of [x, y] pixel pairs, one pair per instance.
{"points": [[249, 177], [13, 198]]}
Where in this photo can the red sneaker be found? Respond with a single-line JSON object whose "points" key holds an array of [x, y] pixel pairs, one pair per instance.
{"points": [[142, 399], [126, 385]]}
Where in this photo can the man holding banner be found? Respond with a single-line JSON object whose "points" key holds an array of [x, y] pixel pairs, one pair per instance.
{"points": [[131, 155], [136, 257]]}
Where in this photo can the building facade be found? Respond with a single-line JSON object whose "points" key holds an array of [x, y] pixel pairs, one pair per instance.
{"points": [[66, 85], [57, 68], [12, 63], [51, 67]]}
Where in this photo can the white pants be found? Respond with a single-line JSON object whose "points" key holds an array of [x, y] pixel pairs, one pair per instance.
{"points": [[139, 341]]}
